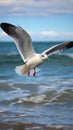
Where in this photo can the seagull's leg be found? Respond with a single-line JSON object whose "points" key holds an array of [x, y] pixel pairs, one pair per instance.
{"points": [[34, 72], [28, 71]]}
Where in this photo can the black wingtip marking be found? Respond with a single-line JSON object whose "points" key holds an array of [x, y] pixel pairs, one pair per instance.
{"points": [[8, 28]]}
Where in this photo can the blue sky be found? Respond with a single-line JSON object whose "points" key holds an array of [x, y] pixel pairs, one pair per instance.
{"points": [[44, 20]]}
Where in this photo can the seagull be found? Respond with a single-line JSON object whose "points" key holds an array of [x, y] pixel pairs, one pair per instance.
{"points": [[23, 43]]}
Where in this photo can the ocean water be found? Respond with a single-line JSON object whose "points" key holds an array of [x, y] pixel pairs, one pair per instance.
{"points": [[46, 98]]}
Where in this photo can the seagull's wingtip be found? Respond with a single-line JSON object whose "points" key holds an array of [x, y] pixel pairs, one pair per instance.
{"points": [[0, 24], [8, 28], [3, 25]]}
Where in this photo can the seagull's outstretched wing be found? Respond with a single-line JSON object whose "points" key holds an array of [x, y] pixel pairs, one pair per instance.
{"points": [[22, 40], [59, 47]]}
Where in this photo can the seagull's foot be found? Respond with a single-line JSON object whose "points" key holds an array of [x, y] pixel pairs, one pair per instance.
{"points": [[28, 71], [34, 72]]}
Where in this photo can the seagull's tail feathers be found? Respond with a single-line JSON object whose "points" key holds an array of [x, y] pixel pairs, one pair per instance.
{"points": [[21, 70]]}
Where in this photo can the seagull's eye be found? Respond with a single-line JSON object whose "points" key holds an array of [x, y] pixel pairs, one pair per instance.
{"points": [[43, 56]]}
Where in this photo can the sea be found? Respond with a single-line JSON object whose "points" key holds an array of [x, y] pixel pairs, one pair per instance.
{"points": [[39, 102]]}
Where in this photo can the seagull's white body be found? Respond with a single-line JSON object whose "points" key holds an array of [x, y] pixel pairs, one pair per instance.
{"points": [[32, 63], [24, 45]]}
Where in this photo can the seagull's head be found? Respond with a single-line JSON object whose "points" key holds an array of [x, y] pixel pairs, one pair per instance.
{"points": [[44, 57]]}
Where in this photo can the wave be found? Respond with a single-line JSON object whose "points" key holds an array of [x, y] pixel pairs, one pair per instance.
{"points": [[47, 98], [68, 55], [61, 58], [10, 58], [22, 93], [62, 55], [15, 57]]}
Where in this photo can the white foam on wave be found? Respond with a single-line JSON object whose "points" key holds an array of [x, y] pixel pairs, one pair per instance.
{"points": [[70, 55], [34, 98]]}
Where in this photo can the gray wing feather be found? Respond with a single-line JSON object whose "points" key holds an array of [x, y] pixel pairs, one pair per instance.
{"points": [[59, 47], [22, 39]]}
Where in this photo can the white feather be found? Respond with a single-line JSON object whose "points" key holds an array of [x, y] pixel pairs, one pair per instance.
{"points": [[21, 70]]}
